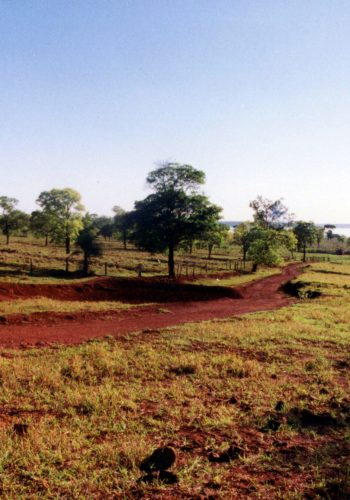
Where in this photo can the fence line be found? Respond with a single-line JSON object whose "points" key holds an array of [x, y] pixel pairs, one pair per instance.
{"points": [[66, 266]]}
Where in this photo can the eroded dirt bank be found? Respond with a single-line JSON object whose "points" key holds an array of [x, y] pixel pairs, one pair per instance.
{"points": [[264, 294]]}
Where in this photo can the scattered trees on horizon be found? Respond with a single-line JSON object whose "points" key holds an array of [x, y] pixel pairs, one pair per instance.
{"points": [[176, 215]]}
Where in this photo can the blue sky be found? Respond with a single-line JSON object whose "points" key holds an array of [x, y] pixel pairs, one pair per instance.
{"points": [[255, 93]]}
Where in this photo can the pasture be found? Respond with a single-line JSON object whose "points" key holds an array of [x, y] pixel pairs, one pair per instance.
{"points": [[254, 405]]}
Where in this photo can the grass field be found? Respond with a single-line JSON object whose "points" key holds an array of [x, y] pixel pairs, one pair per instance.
{"points": [[75, 422], [49, 263]]}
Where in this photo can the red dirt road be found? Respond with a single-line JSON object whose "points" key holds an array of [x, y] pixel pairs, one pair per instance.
{"points": [[50, 329]]}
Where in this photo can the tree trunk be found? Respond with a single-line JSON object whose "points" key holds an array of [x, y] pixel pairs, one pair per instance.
{"points": [[85, 264], [244, 254], [7, 238], [254, 268], [124, 239], [171, 263], [304, 256], [46, 240], [67, 243], [210, 249]]}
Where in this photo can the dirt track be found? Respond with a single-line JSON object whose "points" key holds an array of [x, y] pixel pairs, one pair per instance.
{"points": [[49, 329]]}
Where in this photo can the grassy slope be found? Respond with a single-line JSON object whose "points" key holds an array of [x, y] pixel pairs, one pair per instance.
{"points": [[94, 411]]}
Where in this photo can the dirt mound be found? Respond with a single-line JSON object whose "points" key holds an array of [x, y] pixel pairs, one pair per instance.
{"points": [[124, 290]]}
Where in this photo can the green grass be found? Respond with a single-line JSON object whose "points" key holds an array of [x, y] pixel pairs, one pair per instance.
{"points": [[95, 411], [44, 305], [239, 279], [15, 260]]}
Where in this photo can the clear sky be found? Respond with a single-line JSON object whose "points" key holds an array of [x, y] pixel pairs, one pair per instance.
{"points": [[254, 92]]}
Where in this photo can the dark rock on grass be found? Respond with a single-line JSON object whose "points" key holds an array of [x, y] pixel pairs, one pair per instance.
{"points": [[86, 408], [160, 460], [21, 428], [233, 400], [273, 424], [307, 418], [163, 476], [342, 364], [232, 453], [183, 370], [279, 406]]}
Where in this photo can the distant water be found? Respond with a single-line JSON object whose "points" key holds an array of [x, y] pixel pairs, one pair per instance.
{"points": [[343, 229]]}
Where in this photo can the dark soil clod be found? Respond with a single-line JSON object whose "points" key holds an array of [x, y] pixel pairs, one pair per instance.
{"points": [[160, 460], [306, 418], [232, 453], [183, 370], [273, 424], [233, 400], [21, 428], [279, 406]]}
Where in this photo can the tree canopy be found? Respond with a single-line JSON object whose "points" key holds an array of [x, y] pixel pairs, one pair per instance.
{"points": [[64, 209], [87, 241], [11, 219], [270, 214], [306, 234], [175, 211], [266, 245]]}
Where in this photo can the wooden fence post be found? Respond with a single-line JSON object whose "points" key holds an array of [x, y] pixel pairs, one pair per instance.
{"points": [[105, 268]]}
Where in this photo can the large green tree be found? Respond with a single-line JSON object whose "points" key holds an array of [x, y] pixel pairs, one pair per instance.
{"points": [[11, 219], [306, 234], [63, 207], [174, 212]]}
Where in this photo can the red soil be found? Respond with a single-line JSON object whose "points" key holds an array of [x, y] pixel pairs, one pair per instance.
{"points": [[184, 303]]}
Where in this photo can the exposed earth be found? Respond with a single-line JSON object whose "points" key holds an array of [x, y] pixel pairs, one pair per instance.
{"points": [[176, 304]]}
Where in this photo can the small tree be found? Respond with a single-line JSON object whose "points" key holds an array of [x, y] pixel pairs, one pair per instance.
{"points": [[64, 209], [87, 241], [11, 219], [42, 224], [306, 234], [123, 224], [319, 236], [214, 236], [266, 246], [103, 225], [242, 237]]}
